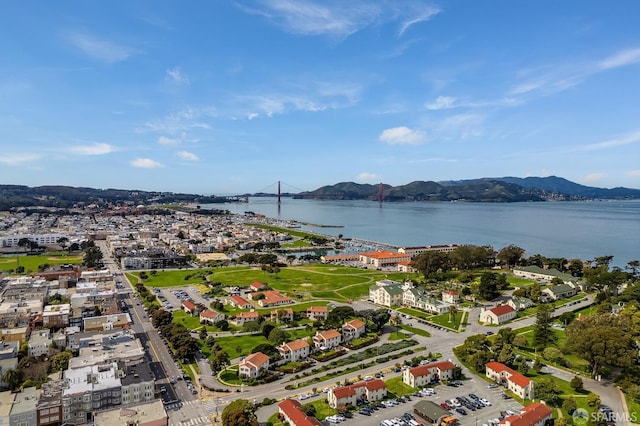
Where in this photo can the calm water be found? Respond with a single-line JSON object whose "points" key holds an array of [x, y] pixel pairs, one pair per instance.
{"points": [[582, 230]]}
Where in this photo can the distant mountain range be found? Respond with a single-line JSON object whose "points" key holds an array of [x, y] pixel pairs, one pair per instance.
{"points": [[505, 189], [12, 196], [500, 190]]}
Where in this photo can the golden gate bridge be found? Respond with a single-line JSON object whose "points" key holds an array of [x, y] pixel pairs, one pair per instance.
{"points": [[280, 194]]}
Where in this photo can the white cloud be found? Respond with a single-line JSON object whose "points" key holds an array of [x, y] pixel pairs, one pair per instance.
{"points": [[146, 163], [189, 156], [338, 18], [402, 135], [593, 178], [630, 138], [176, 76], [18, 159], [442, 102], [181, 121], [620, 59], [423, 14], [164, 140], [97, 148], [102, 50], [367, 177]]}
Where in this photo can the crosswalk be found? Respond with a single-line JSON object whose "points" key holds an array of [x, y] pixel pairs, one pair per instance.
{"points": [[203, 407]]}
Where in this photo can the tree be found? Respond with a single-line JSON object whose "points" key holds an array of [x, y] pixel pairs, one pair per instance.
{"points": [[60, 361], [13, 378], [63, 241], [520, 341], [239, 413], [278, 336], [547, 390], [251, 326], [203, 333], [491, 284], [593, 399], [267, 327], [430, 262], [570, 405], [510, 255], [543, 334], [92, 257], [634, 267], [576, 383], [453, 310], [309, 410], [161, 317], [602, 340]]}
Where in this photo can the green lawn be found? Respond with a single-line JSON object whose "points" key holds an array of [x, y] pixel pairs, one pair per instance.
{"points": [[230, 376], [397, 387], [415, 312], [398, 335], [445, 320], [414, 330], [634, 408], [519, 281], [237, 346], [31, 263], [322, 409], [172, 278]]}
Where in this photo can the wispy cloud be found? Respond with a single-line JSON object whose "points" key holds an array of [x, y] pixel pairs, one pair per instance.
{"points": [[97, 148], [367, 177], [442, 102], [180, 122], [338, 18], [103, 50], [421, 13], [633, 173], [627, 139], [176, 76], [17, 160], [146, 163], [164, 140], [402, 136], [620, 59], [189, 156]]}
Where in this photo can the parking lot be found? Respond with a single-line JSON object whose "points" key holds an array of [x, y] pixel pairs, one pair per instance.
{"points": [[479, 417], [172, 298]]}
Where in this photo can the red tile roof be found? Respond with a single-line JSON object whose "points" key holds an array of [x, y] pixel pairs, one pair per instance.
{"points": [[208, 313], [257, 285], [246, 315], [356, 323], [239, 301], [514, 376], [291, 409], [297, 344], [329, 334], [424, 370], [257, 359], [530, 415], [317, 309], [189, 305], [343, 392], [375, 384], [502, 310]]}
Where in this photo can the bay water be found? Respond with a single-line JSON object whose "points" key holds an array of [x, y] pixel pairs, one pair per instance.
{"points": [[584, 230]]}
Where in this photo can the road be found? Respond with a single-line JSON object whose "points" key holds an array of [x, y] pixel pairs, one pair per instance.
{"points": [[184, 407]]}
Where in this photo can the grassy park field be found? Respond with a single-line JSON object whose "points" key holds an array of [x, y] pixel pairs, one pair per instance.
{"points": [[31, 263]]}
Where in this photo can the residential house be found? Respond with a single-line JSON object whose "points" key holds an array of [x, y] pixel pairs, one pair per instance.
{"points": [[433, 413], [210, 316], [244, 317], [49, 405], [56, 316], [422, 375], [148, 414], [23, 411], [254, 366], [285, 314], [414, 251], [353, 329], [257, 286], [433, 305], [536, 414], [557, 292], [451, 296], [291, 412], [189, 307], [107, 322], [539, 274], [317, 312], [40, 342], [294, 351], [327, 339], [497, 315], [6, 402], [515, 382], [383, 258], [238, 302], [405, 266], [370, 391], [520, 303], [386, 295], [272, 298]]}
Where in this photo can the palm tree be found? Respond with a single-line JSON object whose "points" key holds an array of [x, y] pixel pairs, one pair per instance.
{"points": [[13, 378], [453, 310]]}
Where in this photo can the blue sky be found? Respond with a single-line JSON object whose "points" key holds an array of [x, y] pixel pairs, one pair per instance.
{"points": [[226, 97]]}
